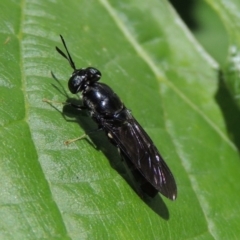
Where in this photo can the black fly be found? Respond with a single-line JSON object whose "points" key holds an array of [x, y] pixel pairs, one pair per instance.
{"points": [[122, 129]]}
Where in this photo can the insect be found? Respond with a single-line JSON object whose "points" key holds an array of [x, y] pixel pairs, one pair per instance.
{"points": [[122, 129]]}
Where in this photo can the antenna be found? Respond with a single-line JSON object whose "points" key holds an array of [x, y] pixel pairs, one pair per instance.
{"points": [[68, 56]]}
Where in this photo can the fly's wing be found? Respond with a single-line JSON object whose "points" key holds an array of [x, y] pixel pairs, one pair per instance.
{"points": [[136, 146], [143, 185]]}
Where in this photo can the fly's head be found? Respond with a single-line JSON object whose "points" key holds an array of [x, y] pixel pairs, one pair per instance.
{"points": [[81, 78]]}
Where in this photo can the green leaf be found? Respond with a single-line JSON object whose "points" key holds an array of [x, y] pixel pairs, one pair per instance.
{"points": [[147, 55]]}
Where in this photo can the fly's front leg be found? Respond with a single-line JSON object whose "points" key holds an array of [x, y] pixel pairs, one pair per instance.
{"points": [[79, 107]]}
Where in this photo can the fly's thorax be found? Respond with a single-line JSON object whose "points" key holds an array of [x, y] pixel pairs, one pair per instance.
{"points": [[100, 99]]}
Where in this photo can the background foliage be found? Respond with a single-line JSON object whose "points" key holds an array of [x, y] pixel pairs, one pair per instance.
{"points": [[185, 94]]}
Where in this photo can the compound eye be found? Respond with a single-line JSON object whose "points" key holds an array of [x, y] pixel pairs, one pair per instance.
{"points": [[76, 82], [93, 74]]}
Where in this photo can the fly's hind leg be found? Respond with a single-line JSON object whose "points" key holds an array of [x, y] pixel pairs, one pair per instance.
{"points": [[85, 135]]}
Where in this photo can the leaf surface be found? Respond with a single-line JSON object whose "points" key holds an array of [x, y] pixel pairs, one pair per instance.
{"points": [[147, 55]]}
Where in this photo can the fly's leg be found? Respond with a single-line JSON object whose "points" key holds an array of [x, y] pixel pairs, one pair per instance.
{"points": [[85, 135], [69, 141], [79, 107]]}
